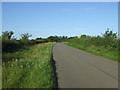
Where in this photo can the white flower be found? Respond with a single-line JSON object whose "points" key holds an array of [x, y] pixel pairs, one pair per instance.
{"points": [[16, 60], [21, 66]]}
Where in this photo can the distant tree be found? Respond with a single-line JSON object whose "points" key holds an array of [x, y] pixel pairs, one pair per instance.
{"points": [[109, 34], [7, 34], [64, 37], [53, 38], [88, 36], [50, 38], [83, 36], [72, 37], [57, 38], [25, 36], [38, 38]]}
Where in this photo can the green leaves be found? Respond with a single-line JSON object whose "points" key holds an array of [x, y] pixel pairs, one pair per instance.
{"points": [[25, 36], [7, 35], [109, 34]]}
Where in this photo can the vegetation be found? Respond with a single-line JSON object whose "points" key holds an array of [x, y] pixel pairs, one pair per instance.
{"points": [[15, 45], [26, 63], [29, 68], [11, 44], [7, 35], [106, 46], [109, 34], [56, 38], [25, 36]]}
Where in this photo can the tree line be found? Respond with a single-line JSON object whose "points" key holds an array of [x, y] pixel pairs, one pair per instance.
{"points": [[10, 43]]}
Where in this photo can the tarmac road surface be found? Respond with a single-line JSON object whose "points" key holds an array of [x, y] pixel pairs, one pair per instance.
{"points": [[79, 69]]}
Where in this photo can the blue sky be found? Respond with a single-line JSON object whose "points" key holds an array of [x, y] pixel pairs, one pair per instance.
{"points": [[43, 19]]}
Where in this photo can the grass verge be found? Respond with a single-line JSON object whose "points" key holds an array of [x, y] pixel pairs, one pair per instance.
{"points": [[30, 68], [100, 51]]}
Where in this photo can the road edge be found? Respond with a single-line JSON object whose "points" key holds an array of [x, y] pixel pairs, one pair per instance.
{"points": [[53, 63]]}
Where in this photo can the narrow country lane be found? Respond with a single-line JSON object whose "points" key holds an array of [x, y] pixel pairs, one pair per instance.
{"points": [[79, 69]]}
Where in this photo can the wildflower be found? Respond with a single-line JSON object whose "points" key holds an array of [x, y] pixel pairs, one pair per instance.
{"points": [[21, 66], [16, 60]]}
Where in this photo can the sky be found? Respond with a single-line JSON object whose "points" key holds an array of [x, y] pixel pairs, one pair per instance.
{"points": [[59, 0], [43, 19]]}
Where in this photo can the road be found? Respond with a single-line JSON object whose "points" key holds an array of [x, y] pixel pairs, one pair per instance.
{"points": [[78, 69]]}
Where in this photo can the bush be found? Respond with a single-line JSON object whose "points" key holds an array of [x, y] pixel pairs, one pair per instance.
{"points": [[14, 45], [111, 44], [10, 45]]}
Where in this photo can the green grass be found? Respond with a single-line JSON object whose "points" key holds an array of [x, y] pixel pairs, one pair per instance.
{"points": [[87, 45], [29, 68]]}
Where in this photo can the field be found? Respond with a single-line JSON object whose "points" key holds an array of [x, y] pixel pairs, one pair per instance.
{"points": [[29, 68], [107, 48]]}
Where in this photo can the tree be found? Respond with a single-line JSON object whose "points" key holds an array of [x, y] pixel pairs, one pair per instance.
{"points": [[109, 34], [53, 38], [72, 37], [64, 37], [25, 36], [7, 35], [57, 38], [83, 36], [39, 38]]}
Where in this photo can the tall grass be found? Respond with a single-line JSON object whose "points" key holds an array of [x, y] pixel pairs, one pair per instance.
{"points": [[107, 48], [29, 68]]}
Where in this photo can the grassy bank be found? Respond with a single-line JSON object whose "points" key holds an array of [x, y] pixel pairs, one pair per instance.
{"points": [[107, 48], [29, 68]]}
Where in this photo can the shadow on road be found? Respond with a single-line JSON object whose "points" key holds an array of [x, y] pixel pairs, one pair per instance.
{"points": [[53, 63]]}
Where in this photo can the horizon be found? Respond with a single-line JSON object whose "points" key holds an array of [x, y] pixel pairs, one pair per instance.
{"points": [[44, 19]]}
